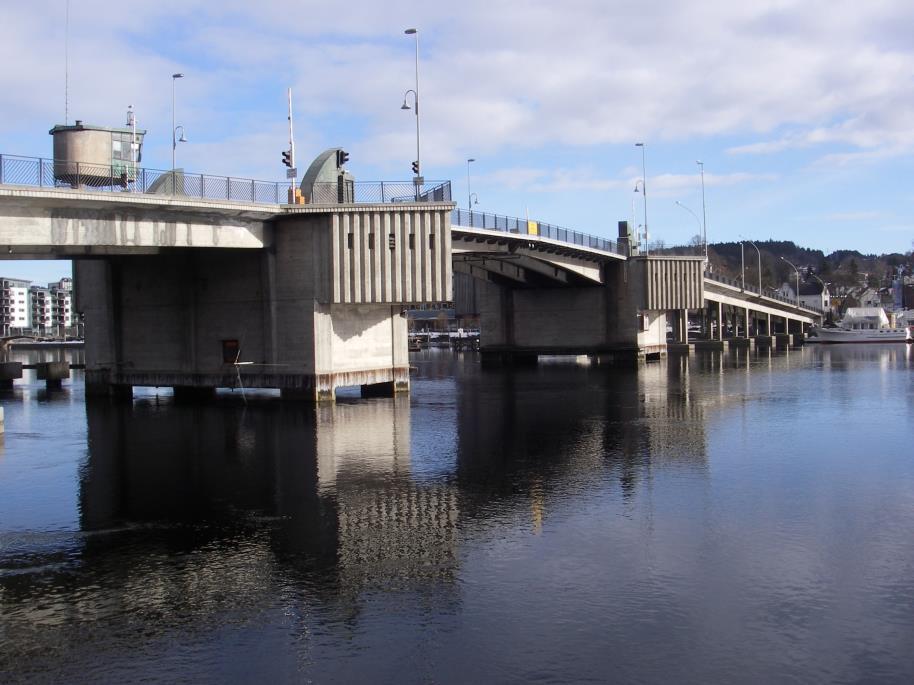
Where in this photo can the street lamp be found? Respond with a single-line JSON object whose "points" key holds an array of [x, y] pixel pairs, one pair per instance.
{"points": [[174, 129], [469, 194], [634, 223], [693, 214], [174, 133], [704, 213], [418, 166], [822, 283], [798, 279], [759, 263], [644, 190]]}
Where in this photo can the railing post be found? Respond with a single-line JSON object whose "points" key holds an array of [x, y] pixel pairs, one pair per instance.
{"points": [[41, 175], [202, 187], [228, 187], [253, 193], [383, 200], [1, 169]]}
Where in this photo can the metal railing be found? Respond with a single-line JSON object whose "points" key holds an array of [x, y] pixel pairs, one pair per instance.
{"points": [[379, 192], [510, 224], [39, 172], [771, 294], [661, 249]]}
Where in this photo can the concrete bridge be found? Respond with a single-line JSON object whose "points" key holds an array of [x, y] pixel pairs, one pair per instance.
{"points": [[543, 289], [199, 292]]}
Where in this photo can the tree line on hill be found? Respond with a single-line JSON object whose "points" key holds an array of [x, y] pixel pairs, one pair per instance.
{"points": [[840, 269]]}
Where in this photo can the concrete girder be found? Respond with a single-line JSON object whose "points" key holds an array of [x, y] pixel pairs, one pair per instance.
{"points": [[482, 267], [550, 271], [590, 270], [541, 243], [756, 304]]}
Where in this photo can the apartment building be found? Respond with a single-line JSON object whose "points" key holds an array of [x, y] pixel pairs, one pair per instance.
{"points": [[41, 309], [27, 308], [14, 305], [62, 302]]}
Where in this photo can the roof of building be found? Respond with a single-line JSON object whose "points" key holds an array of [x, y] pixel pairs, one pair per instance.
{"points": [[813, 288]]}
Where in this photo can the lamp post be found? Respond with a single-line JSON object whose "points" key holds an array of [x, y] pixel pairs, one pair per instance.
{"points": [[798, 279], [759, 263], [822, 283], [174, 132], [644, 190], [174, 129], [418, 167], [634, 223], [469, 194], [704, 212], [693, 214]]}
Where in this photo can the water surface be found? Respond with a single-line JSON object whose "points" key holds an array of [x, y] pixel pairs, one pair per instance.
{"points": [[728, 517]]}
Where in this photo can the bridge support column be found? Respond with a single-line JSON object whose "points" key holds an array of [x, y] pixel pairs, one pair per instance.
{"points": [[720, 322], [9, 371], [682, 325], [317, 310]]}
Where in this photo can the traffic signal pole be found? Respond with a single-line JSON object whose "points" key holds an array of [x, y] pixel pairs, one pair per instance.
{"points": [[292, 172]]}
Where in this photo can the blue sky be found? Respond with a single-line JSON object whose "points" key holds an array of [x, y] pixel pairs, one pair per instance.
{"points": [[800, 111]]}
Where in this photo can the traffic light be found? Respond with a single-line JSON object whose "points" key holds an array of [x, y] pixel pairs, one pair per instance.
{"points": [[287, 158], [416, 167], [341, 158]]}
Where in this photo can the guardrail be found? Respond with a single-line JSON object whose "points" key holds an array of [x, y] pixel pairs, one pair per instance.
{"points": [[510, 224], [379, 192], [773, 295], [38, 172]]}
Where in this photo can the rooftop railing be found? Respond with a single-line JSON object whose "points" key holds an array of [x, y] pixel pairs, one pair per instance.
{"points": [[125, 177], [510, 224]]}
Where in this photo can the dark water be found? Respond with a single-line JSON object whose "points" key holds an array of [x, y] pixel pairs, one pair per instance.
{"points": [[725, 518]]}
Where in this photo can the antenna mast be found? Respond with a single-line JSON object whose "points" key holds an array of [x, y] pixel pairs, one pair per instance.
{"points": [[66, 68]]}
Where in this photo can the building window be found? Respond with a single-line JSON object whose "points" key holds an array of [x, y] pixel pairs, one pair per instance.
{"points": [[412, 241], [371, 241], [350, 241]]}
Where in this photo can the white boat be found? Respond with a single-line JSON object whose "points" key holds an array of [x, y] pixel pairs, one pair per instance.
{"points": [[866, 325]]}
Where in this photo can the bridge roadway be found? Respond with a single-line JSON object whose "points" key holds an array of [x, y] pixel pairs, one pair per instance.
{"points": [[314, 277], [62, 223]]}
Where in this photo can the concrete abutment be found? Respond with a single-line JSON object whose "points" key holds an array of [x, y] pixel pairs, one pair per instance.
{"points": [[320, 308]]}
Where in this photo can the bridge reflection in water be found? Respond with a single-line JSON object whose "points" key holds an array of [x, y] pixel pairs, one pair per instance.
{"points": [[199, 515], [377, 538]]}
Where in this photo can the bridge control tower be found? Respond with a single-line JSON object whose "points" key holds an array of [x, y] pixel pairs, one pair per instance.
{"points": [[96, 156]]}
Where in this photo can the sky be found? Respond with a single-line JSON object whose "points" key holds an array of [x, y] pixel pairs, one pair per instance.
{"points": [[801, 112]]}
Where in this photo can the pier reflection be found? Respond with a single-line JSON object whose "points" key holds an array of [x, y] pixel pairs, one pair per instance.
{"points": [[553, 433], [190, 514]]}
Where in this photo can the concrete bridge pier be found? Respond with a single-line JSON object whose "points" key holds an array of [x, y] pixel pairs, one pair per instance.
{"points": [[9, 371], [321, 306], [622, 318]]}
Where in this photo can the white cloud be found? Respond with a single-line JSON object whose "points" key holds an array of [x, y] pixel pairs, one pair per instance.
{"points": [[496, 74]]}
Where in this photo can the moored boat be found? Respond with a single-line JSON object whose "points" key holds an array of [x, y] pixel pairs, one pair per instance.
{"points": [[866, 325]]}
